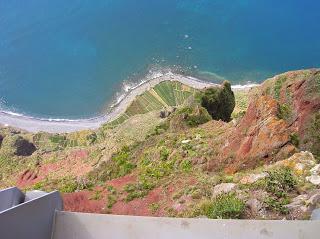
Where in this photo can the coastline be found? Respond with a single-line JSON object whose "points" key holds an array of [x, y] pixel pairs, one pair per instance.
{"points": [[34, 125]]}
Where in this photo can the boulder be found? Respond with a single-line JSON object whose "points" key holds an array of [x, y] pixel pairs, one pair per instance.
{"points": [[255, 206], [314, 179], [224, 188], [315, 215], [303, 205], [315, 170], [301, 163]]}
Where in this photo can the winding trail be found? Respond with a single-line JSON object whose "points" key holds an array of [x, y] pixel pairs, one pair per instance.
{"points": [[63, 126]]}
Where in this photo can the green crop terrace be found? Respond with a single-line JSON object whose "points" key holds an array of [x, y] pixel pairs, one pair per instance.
{"points": [[165, 94]]}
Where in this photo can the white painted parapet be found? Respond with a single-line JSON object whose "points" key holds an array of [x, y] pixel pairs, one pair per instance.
{"points": [[31, 219], [94, 226], [10, 197]]}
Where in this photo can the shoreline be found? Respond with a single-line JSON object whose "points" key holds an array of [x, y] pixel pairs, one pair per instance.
{"points": [[34, 125]]}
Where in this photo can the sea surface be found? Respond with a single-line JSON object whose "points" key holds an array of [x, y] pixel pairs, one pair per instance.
{"points": [[69, 59]]}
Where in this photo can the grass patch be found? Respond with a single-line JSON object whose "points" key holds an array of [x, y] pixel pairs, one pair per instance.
{"points": [[224, 206]]}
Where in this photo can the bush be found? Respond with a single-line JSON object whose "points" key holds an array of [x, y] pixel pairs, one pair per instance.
{"points": [[277, 204], [294, 139], [164, 153], [219, 102], [280, 182], [284, 112], [224, 206], [135, 191], [190, 116]]}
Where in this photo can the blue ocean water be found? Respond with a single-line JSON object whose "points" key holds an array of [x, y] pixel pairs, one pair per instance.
{"points": [[66, 59]]}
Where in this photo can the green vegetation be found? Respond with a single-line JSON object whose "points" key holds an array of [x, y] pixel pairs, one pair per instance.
{"points": [[280, 182], [277, 204], [112, 199], [284, 111], [119, 165], [154, 207], [135, 191], [66, 184], [96, 196], [219, 102], [278, 85], [163, 146], [294, 139], [159, 129], [224, 206], [194, 116], [163, 95]]}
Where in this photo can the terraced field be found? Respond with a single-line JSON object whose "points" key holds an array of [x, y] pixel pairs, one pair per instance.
{"points": [[165, 94]]}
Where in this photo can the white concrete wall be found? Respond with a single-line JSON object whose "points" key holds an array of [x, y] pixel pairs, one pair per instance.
{"points": [[32, 219], [10, 197], [88, 226]]}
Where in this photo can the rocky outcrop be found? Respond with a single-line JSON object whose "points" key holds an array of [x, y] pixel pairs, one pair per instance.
{"points": [[224, 188], [281, 119], [252, 178], [17, 145], [301, 163], [304, 204]]}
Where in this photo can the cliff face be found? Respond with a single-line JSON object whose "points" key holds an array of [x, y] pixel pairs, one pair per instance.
{"points": [[176, 162], [282, 118]]}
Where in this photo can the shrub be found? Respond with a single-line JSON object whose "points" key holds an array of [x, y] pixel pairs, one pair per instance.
{"points": [[135, 191], [122, 162], [112, 199], [219, 102], [164, 153], [92, 138], [277, 204], [190, 116], [280, 182], [197, 116], [224, 206], [294, 139], [277, 86], [284, 111]]}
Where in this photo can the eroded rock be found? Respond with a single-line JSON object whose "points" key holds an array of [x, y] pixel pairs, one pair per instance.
{"points": [[314, 179], [300, 163], [252, 178], [303, 205], [224, 188]]}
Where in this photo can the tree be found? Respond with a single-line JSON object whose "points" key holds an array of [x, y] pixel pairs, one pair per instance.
{"points": [[219, 101]]}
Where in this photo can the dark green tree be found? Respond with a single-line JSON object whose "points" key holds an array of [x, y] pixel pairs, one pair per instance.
{"points": [[219, 101]]}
